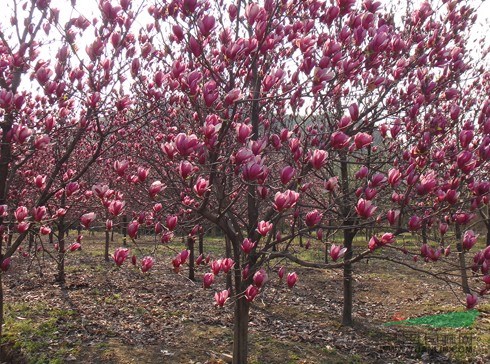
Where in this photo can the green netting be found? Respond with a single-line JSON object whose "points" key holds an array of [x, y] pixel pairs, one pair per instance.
{"points": [[452, 319]]}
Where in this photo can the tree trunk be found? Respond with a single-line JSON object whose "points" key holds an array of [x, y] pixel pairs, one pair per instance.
{"points": [[348, 289], [240, 331], [229, 278], [107, 240], [190, 246], [10, 236], [124, 228], [31, 242], [1, 316], [201, 242], [60, 278], [349, 234], [61, 244], [462, 261]]}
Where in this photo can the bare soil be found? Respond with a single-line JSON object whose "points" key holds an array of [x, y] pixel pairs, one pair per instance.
{"points": [[119, 315]]}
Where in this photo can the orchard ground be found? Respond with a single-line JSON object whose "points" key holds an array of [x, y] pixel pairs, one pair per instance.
{"points": [[120, 315]]}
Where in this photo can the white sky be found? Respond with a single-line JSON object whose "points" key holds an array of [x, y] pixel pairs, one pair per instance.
{"points": [[88, 7]]}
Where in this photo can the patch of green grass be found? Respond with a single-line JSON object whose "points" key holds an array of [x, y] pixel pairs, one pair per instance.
{"points": [[113, 299], [34, 329], [452, 319]]}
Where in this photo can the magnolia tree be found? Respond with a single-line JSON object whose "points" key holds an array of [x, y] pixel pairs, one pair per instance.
{"points": [[62, 108], [280, 119]]}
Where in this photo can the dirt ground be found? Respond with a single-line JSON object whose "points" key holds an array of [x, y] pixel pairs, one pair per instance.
{"points": [[120, 315]]}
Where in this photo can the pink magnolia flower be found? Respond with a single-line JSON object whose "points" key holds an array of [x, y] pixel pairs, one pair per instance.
{"points": [[443, 227], [362, 140], [377, 180], [285, 200], [313, 218], [471, 301], [415, 223], [291, 279], [287, 173], [208, 280], [232, 96], [354, 111], [254, 170], [243, 132], [120, 255], [427, 183], [210, 93], [166, 237], [319, 158], [365, 208], [3, 210], [120, 167], [171, 222], [332, 184], [133, 229], [200, 259], [5, 265], [394, 177], [71, 188], [221, 297], [177, 262], [387, 238], [469, 239], [157, 207], [373, 243], [392, 216], [259, 278], [429, 253], [116, 207], [74, 247], [337, 251], [362, 172], [216, 266], [185, 144], [486, 279], [155, 188], [263, 227], [463, 218], [251, 292], [45, 230], [87, 219], [185, 169], [206, 25], [339, 140], [245, 272], [243, 155], [134, 260], [142, 174], [146, 263], [201, 186], [466, 161], [38, 213], [20, 213], [247, 245], [40, 181], [184, 254], [227, 264], [281, 271]]}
